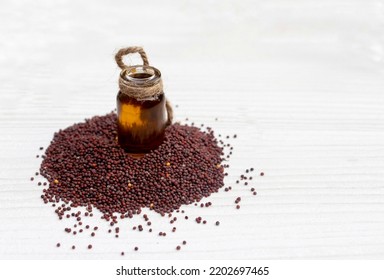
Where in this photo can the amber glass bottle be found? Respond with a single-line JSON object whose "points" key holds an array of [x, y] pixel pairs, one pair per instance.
{"points": [[141, 120]]}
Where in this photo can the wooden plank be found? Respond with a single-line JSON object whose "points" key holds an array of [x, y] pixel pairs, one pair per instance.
{"points": [[300, 84]]}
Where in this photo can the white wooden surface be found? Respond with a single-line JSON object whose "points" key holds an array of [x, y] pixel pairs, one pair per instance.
{"points": [[300, 82]]}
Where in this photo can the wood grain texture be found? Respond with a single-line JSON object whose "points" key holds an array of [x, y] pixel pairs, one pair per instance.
{"points": [[300, 83]]}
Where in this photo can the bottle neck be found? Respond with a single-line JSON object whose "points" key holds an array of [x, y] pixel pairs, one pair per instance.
{"points": [[141, 82]]}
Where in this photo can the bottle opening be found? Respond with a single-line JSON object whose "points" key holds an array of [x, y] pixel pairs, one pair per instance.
{"points": [[141, 74]]}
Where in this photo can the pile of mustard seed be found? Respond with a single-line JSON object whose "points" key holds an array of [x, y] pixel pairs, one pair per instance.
{"points": [[85, 168], [85, 165]]}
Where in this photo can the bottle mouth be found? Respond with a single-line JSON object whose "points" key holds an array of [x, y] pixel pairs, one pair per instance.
{"points": [[141, 75]]}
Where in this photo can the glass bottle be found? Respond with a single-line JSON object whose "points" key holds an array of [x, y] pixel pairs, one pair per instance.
{"points": [[141, 121]]}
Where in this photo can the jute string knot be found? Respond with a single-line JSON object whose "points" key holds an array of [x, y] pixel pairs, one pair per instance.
{"points": [[140, 92]]}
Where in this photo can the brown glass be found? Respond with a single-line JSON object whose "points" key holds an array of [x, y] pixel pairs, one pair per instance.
{"points": [[141, 123]]}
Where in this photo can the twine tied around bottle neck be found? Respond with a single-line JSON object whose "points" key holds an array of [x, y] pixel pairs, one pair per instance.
{"points": [[140, 92]]}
